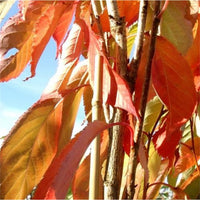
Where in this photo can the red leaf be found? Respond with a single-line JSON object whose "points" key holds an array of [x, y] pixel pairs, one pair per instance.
{"points": [[63, 24], [115, 89], [129, 10], [173, 81], [166, 139], [80, 186], [43, 30], [58, 177]]}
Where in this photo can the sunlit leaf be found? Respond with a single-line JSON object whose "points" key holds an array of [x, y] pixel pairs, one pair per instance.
{"points": [[154, 190], [152, 112], [167, 135], [129, 10], [154, 164], [193, 54], [29, 149], [115, 89], [187, 157], [81, 179], [63, 24], [192, 190], [176, 24], [173, 81], [59, 175], [87, 101], [71, 50]]}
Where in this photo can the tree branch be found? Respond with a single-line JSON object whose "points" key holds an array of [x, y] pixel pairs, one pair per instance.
{"points": [[139, 126], [134, 64], [116, 153]]}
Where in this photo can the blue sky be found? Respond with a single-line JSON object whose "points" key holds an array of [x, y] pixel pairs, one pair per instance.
{"points": [[16, 96]]}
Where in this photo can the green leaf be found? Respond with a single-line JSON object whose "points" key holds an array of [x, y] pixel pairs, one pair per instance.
{"points": [[153, 164], [152, 112], [175, 25], [192, 190]]}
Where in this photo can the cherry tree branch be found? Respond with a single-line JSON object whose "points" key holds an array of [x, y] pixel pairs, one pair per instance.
{"points": [[139, 126]]}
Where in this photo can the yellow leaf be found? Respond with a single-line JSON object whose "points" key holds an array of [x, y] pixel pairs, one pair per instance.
{"points": [[29, 149]]}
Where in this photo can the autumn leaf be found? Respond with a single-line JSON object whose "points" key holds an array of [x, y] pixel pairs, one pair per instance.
{"points": [[173, 81], [46, 128], [59, 176], [187, 156], [193, 55], [129, 10], [115, 89], [29, 149], [18, 34], [152, 112], [131, 35], [33, 33], [71, 51], [161, 174], [43, 30], [176, 24], [167, 136], [64, 23], [80, 186]]}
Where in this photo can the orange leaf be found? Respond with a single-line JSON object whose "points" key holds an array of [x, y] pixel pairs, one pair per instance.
{"points": [[80, 186], [18, 34], [29, 149], [58, 177], [115, 89], [63, 23], [129, 10], [43, 30], [28, 32], [41, 133], [173, 81], [193, 55], [71, 51], [187, 157]]}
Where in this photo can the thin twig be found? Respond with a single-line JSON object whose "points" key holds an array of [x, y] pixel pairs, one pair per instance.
{"points": [[134, 64], [97, 20], [139, 125]]}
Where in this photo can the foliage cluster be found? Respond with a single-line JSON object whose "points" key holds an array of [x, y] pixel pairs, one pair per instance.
{"points": [[150, 98]]}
